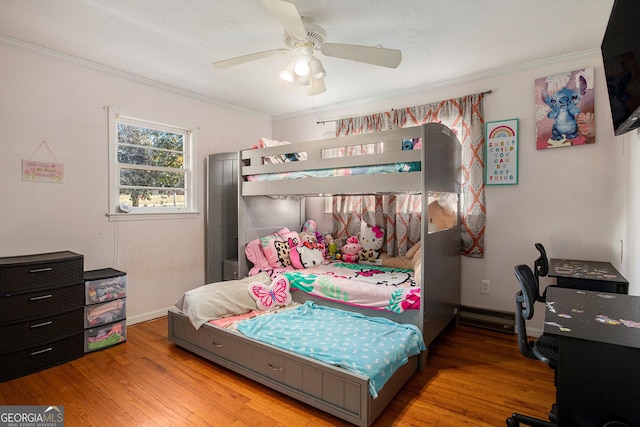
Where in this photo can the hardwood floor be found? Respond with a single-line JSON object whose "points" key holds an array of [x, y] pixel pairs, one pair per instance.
{"points": [[474, 377]]}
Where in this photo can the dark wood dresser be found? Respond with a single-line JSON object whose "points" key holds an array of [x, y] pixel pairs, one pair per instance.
{"points": [[41, 312]]}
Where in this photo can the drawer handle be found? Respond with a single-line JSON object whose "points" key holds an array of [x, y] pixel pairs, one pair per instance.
{"points": [[35, 353], [39, 325], [41, 297], [215, 344], [275, 368], [40, 270]]}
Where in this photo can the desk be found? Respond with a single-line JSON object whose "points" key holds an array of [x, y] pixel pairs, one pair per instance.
{"points": [[587, 275], [599, 351]]}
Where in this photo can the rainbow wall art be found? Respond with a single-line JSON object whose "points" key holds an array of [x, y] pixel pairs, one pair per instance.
{"points": [[502, 152]]}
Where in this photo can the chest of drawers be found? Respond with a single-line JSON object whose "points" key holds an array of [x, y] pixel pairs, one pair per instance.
{"points": [[41, 312]]}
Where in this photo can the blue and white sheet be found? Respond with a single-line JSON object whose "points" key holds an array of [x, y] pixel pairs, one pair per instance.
{"points": [[372, 346], [324, 173]]}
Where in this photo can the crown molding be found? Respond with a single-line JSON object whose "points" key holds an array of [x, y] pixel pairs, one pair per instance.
{"points": [[123, 74], [586, 54]]}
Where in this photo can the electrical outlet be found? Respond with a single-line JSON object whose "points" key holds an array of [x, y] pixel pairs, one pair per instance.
{"points": [[486, 287]]}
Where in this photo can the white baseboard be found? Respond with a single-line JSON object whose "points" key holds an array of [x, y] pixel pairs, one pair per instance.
{"points": [[147, 316]]}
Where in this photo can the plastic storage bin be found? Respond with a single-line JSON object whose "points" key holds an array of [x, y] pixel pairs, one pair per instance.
{"points": [[104, 285], [106, 312], [105, 336]]}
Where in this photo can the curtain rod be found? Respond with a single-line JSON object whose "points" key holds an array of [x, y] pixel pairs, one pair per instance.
{"points": [[321, 122]]}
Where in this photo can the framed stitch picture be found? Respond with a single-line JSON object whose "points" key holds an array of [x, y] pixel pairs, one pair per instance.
{"points": [[565, 109], [501, 152]]}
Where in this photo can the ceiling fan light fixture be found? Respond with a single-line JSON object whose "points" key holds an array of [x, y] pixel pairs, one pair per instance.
{"points": [[317, 70], [304, 80], [316, 87], [288, 74], [303, 60]]}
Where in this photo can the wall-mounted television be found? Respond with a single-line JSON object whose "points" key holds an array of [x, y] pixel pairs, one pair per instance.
{"points": [[621, 55]]}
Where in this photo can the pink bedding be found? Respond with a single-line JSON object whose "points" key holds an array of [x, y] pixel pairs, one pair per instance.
{"points": [[367, 286], [373, 287]]}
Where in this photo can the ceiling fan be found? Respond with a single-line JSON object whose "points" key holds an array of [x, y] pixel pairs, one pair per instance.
{"points": [[305, 37]]}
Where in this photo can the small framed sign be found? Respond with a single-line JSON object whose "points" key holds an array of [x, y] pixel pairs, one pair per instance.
{"points": [[501, 152], [37, 171]]}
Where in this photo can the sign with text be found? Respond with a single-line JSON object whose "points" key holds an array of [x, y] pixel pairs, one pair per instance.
{"points": [[32, 416], [37, 171], [502, 152]]}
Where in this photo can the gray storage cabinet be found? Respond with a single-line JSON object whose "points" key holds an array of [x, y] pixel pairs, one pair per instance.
{"points": [[222, 217]]}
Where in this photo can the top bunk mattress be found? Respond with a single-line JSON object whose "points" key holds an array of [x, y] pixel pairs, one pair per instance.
{"points": [[397, 164], [324, 173]]}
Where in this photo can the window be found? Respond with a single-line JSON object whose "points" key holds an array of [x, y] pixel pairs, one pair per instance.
{"points": [[151, 168]]}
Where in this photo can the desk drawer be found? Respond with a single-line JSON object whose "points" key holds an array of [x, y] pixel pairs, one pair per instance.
{"points": [[593, 285], [41, 303]]}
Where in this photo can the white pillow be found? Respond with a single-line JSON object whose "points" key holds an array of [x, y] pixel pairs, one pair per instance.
{"points": [[219, 299]]}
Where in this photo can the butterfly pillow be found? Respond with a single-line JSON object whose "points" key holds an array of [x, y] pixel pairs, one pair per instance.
{"points": [[268, 297]]}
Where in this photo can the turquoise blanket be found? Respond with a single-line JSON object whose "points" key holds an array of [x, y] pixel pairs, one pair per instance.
{"points": [[372, 346]]}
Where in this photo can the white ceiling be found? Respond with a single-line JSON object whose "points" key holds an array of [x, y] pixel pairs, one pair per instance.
{"points": [[174, 42]]}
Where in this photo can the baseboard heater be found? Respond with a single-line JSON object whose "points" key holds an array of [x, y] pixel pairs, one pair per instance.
{"points": [[501, 321]]}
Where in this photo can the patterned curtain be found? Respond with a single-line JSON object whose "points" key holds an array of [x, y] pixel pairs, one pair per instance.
{"points": [[466, 118]]}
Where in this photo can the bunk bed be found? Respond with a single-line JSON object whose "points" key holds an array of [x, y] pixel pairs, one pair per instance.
{"points": [[272, 198]]}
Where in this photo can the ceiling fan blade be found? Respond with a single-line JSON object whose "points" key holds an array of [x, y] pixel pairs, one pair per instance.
{"points": [[287, 14], [248, 58], [371, 55]]}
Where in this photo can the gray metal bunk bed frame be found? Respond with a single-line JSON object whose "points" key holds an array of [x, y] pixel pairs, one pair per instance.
{"points": [[335, 390]]}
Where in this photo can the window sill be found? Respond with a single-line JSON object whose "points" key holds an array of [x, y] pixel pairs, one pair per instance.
{"points": [[149, 216]]}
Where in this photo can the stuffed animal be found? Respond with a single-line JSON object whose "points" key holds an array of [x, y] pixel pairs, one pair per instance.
{"points": [[331, 245], [351, 249], [371, 239], [409, 262], [308, 233], [442, 214]]}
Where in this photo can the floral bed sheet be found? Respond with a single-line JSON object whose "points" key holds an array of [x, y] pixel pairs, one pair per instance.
{"points": [[373, 287]]}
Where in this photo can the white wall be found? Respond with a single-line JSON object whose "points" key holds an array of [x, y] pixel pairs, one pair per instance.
{"points": [[569, 199], [61, 101], [625, 209], [576, 201]]}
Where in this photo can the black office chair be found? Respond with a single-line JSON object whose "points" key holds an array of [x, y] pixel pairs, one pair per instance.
{"points": [[541, 269], [544, 348]]}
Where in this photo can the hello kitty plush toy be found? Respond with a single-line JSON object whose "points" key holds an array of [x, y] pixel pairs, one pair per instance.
{"points": [[371, 239], [351, 249]]}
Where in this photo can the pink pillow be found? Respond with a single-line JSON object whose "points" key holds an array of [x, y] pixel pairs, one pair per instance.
{"points": [[268, 297], [276, 248], [254, 252], [307, 255]]}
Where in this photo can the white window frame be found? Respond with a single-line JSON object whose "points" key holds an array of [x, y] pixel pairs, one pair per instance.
{"points": [[116, 213]]}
